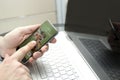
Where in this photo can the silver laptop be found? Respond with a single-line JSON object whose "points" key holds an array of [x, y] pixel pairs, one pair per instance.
{"points": [[92, 17], [81, 53]]}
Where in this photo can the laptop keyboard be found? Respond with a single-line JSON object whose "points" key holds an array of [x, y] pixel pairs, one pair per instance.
{"points": [[53, 65], [109, 61]]}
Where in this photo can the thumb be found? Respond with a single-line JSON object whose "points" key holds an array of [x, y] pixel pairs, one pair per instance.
{"points": [[20, 54], [29, 29]]}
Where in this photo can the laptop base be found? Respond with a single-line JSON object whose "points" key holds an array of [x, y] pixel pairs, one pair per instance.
{"points": [[97, 52]]}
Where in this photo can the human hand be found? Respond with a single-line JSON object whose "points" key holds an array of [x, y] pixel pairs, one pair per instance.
{"points": [[13, 39], [12, 69]]}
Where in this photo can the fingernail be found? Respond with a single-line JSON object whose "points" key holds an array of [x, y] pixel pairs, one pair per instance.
{"points": [[33, 42]]}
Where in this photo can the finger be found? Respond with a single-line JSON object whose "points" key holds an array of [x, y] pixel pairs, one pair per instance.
{"points": [[29, 76], [26, 69], [53, 40], [20, 54], [23, 30], [28, 29], [31, 60], [44, 48], [26, 76], [37, 55]]}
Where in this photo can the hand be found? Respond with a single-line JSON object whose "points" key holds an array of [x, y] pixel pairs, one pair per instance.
{"points": [[13, 39], [12, 69]]}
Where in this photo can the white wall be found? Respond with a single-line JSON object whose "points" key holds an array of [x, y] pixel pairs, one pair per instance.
{"points": [[14, 13], [15, 8]]}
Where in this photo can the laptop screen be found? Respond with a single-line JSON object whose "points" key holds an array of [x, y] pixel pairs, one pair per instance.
{"points": [[91, 16]]}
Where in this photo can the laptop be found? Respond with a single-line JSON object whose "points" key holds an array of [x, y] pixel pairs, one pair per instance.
{"points": [[92, 19], [82, 51]]}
